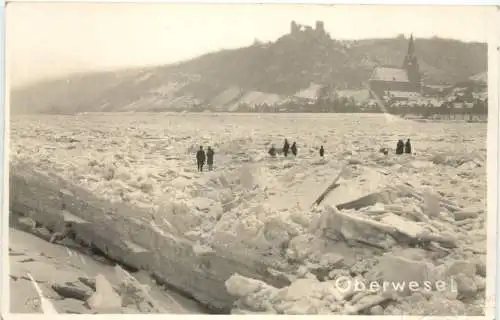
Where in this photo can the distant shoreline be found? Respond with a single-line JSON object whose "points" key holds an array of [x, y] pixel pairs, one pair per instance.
{"points": [[437, 117]]}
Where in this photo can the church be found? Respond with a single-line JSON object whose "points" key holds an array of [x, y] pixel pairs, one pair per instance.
{"points": [[398, 83]]}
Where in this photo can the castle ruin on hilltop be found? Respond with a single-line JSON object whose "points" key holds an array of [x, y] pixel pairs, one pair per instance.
{"points": [[298, 29]]}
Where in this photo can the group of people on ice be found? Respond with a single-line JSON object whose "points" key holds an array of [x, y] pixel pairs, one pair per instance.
{"points": [[293, 148], [401, 147], [285, 150], [208, 156], [202, 157]]}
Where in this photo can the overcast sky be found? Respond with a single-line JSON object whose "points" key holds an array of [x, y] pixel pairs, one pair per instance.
{"points": [[52, 39]]}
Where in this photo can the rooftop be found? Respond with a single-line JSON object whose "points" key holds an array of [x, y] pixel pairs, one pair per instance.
{"points": [[389, 74], [309, 93], [480, 77], [403, 94]]}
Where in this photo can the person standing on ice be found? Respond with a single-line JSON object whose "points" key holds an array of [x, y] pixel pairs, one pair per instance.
{"points": [[294, 149], [321, 152], [272, 151], [210, 158], [408, 146], [286, 148], [200, 158], [400, 147], [384, 151]]}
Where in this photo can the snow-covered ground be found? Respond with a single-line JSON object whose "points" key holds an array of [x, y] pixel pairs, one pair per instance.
{"points": [[148, 161]]}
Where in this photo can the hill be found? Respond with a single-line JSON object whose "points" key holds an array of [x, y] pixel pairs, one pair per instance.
{"points": [[262, 73]]}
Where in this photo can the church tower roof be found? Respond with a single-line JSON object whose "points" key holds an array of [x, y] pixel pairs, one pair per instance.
{"points": [[410, 63], [411, 46]]}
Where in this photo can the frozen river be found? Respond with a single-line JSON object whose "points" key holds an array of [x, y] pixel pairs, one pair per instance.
{"points": [[147, 160]]}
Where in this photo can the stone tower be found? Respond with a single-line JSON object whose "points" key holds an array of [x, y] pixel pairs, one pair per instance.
{"points": [[294, 28], [320, 27], [411, 65]]}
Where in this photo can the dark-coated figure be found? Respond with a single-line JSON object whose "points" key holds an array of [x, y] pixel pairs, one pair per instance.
{"points": [[321, 152], [210, 158], [384, 151], [400, 147], [408, 146], [272, 151], [294, 149], [286, 148], [200, 158]]}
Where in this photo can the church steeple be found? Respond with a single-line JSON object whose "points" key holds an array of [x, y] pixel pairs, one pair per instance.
{"points": [[411, 48], [411, 64]]}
